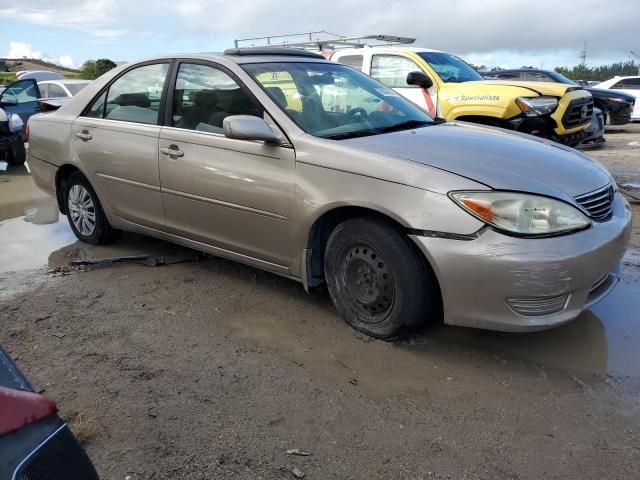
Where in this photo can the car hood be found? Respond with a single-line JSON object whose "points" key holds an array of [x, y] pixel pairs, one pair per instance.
{"points": [[541, 88], [497, 158], [604, 93]]}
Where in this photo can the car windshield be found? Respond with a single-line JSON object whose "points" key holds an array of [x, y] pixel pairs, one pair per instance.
{"points": [[74, 88], [558, 77], [450, 68], [330, 100]]}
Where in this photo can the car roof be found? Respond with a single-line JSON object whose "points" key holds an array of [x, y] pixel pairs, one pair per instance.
{"points": [[388, 48], [509, 70], [247, 55], [65, 81]]}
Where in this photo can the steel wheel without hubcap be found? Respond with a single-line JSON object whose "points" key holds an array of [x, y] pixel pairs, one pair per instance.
{"points": [[376, 278], [368, 279], [82, 210]]}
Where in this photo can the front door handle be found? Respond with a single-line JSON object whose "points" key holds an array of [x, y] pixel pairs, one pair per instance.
{"points": [[172, 151], [84, 135]]}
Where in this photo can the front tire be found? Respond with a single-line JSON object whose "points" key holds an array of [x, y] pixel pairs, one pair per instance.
{"points": [[376, 278], [84, 212], [17, 156]]}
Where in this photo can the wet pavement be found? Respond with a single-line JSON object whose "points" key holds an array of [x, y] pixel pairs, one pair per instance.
{"points": [[33, 234], [604, 340]]}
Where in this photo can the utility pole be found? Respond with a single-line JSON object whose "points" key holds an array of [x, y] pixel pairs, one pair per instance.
{"points": [[583, 55], [638, 57]]}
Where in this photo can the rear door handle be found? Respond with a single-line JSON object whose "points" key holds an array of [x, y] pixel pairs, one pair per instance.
{"points": [[172, 151], [84, 135]]}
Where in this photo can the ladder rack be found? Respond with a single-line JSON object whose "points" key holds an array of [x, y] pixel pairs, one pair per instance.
{"points": [[322, 40]]}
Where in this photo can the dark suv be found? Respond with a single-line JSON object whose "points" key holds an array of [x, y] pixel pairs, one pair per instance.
{"points": [[616, 106], [18, 102]]}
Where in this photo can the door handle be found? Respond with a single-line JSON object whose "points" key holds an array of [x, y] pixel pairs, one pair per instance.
{"points": [[172, 151], [84, 135]]}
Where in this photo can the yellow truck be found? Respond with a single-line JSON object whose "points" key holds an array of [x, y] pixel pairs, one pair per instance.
{"points": [[448, 87]]}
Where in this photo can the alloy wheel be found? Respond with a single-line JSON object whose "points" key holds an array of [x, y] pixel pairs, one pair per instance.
{"points": [[82, 210]]}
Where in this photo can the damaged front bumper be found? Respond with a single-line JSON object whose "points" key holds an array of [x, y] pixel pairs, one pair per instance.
{"points": [[546, 127], [506, 283]]}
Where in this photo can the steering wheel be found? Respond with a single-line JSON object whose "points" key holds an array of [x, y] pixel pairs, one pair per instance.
{"points": [[358, 113]]}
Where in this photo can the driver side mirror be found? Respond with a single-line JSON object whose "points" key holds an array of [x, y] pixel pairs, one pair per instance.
{"points": [[248, 127], [419, 79], [8, 102]]}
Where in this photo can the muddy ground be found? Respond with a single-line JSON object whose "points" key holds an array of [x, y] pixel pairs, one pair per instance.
{"points": [[209, 369]]}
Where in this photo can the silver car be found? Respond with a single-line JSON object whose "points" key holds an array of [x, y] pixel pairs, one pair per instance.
{"points": [[316, 172]]}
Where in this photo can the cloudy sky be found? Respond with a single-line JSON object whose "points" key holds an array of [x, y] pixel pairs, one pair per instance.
{"points": [[507, 33]]}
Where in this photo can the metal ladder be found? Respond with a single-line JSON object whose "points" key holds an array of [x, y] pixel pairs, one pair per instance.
{"points": [[322, 40]]}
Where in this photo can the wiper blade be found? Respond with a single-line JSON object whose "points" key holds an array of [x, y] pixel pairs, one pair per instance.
{"points": [[409, 124], [359, 133]]}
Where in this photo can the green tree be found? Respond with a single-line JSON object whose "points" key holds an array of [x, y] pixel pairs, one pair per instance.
{"points": [[92, 69], [601, 73]]}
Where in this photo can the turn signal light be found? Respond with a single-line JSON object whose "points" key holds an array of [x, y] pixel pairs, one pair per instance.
{"points": [[484, 210]]}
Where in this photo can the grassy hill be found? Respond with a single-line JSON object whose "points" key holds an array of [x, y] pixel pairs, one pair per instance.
{"points": [[15, 65]]}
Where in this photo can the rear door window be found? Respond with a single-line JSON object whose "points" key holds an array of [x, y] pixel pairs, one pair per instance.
{"points": [[134, 97]]}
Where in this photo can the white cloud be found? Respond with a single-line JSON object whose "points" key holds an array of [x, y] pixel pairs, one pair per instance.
{"points": [[25, 50], [66, 61], [459, 26], [21, 50]]}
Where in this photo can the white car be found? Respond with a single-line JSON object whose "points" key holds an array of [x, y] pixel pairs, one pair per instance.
{"points": [[38, 75], [630, 85], [61, 88]]}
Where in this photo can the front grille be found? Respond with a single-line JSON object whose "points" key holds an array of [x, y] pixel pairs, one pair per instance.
{"points": [[579, 112], [601, 288], [597, 204]]}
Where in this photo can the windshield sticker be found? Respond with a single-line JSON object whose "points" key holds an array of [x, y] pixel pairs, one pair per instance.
{"points": [[472, 98], [387, 92]]}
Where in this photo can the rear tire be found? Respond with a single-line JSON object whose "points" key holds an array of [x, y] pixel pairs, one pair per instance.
{"points": [[84, 212], [377, 280], [17, 157]]}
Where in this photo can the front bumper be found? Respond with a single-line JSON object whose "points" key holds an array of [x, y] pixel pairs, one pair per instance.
{"points": [[546, 127], [478, 276], [620, 115]]}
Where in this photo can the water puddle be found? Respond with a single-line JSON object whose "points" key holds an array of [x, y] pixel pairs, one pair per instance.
{"points": [[33, 234], [604, 340]]}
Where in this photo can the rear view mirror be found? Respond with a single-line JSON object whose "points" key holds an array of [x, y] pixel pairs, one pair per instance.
{"points": [[248, 127], [419, 79], [8, 102]]}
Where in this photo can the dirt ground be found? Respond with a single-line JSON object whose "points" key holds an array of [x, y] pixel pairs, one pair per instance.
{"points": [[210, 369]]}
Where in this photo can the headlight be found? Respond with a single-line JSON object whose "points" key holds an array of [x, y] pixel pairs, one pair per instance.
{"points": [[522, 213], [535, 106], [15, 123], [621, 100]]}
